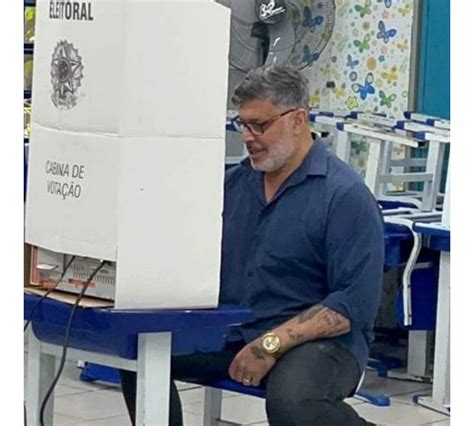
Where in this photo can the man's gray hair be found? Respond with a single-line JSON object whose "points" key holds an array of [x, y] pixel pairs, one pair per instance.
{"points": [[283, 85]]}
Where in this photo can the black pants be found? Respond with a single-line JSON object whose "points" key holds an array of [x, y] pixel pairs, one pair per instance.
{"points": [[306, 386]]}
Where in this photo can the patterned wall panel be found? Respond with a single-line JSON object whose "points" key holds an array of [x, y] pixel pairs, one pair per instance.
{"points": [[368, 57], [367, 63]]}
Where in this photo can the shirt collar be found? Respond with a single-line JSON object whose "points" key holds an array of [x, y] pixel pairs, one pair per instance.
{"points": [[316, 161]]}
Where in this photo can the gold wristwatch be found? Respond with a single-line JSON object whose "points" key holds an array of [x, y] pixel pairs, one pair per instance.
{"points": [[271, 345]]}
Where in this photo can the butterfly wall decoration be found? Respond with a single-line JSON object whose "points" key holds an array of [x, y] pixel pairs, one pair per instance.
{"points": [[385, 34], [367, 88]]}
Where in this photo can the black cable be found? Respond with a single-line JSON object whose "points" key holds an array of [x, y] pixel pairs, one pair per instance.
{"points": [[35, 306], [66, 341], [48, 293]]}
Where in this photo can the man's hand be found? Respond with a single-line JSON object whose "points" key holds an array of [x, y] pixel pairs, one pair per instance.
{"points": [[251, 364]]}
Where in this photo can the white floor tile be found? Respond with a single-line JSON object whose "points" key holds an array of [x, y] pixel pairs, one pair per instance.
{"points": [[194, 395], [108, 421], [183, 385], [194, 408], [392, 387], [353, 401], [85, 404], [91, 405], [191, 396], [63, 390], [63, 420], [242, 409], [408, 397], [70, 377], [192, 419], [111, 387], [398, 414]]}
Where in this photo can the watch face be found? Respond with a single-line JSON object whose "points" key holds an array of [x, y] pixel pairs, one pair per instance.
{"points": [[271, 343]]}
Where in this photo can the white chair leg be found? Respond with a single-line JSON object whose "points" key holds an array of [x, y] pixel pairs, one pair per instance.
{"points": [[212, 406]]}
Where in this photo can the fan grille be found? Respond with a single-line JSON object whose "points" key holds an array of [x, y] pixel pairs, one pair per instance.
{"points": [[312, 22]]}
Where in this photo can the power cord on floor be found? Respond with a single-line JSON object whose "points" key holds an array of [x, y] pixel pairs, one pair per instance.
{"points": [[37, 304]]}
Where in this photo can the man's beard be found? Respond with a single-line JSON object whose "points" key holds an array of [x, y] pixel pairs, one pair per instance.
{"points": [[276, 156]]}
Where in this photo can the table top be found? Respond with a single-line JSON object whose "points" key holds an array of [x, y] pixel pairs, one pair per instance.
{"points": [[115, 332], [436, 236], [135, 321]]}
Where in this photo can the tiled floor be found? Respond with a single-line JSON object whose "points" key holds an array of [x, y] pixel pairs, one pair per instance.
{"points": [[87, 404]]}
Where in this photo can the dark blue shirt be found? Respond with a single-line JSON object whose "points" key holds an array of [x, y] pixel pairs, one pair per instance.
{"points": [[319, 241]]}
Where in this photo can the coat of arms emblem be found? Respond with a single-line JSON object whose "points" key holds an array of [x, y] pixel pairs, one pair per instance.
{"points": [[66, 75]]}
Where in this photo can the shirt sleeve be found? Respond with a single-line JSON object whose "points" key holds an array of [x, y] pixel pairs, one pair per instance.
{"points": [[354, 248]]}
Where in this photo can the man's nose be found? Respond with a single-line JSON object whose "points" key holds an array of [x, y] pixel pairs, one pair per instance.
{"points": [[247, 135]]}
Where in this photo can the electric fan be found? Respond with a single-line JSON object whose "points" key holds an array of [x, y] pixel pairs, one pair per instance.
{"points": [[278, 31]]}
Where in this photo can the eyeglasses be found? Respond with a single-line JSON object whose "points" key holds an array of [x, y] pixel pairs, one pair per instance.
{"points": [[257, 129]]}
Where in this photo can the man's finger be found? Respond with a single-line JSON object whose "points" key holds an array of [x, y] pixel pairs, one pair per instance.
{"points": [[241, 374], [232, 370], [235, 372]]}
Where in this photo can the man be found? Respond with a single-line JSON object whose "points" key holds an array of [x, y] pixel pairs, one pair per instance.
{"points": [[303, 247]]}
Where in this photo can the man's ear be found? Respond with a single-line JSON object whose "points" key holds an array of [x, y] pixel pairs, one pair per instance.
{"points": [[300, 120]]}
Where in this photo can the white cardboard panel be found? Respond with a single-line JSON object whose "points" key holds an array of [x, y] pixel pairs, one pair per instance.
{"points": [[82, 222], [98, 47], [177, 77], [174, 260], [148, 67]]}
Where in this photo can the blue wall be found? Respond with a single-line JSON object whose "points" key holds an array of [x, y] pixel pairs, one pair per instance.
{"points": [[434, 65]]}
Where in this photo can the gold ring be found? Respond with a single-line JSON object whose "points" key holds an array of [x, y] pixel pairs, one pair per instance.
{"points": [[246, 381]]}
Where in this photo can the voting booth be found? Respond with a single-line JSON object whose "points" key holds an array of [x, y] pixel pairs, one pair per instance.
{"points": [[126, 159]]}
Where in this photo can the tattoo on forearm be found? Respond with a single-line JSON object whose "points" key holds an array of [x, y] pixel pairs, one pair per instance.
{"points": [[257, 352], [334, 324], [294, 335], [332, 318], [310, 313], [327, 322]]}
